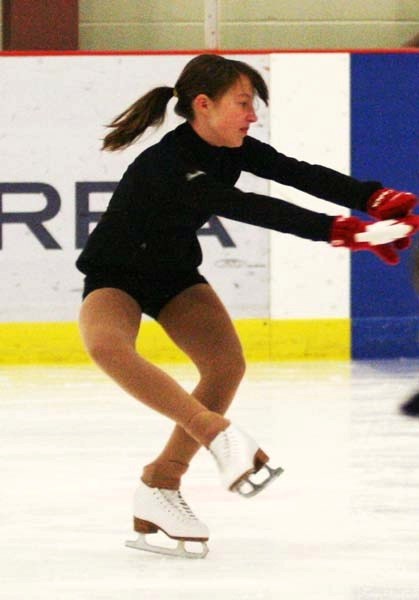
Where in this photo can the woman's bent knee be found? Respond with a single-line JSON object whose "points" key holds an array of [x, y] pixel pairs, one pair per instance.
{"points": [[226, 367], [107, 350]]}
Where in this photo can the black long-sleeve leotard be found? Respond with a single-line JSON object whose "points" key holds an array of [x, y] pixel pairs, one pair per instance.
{"points": [[171, 189]]}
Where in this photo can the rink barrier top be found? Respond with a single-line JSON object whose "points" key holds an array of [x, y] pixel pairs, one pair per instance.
{"points": [[408, 50]]}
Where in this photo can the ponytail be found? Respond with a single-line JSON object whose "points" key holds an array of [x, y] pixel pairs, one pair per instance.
{"points": [[208, 74], [148, 110]]}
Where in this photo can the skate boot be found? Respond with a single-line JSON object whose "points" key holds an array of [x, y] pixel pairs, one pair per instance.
{"points": [[163, 510], [238, 456], [411, 406]]}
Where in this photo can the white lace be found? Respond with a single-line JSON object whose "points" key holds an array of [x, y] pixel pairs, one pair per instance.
{"points": [[229, 445], [176, 505]]}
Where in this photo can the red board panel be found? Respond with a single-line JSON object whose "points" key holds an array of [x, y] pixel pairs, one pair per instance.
{"points": [[40, 24]]}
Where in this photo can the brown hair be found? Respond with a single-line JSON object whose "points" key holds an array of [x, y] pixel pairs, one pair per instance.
{"points": [[208, 74]]}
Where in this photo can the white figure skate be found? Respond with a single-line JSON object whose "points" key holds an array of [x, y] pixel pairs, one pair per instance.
{"points": [[163, 510], [238, 456]]}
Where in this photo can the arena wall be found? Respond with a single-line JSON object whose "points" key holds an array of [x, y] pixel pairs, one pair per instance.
{"points": [[179, 24], [285, 24]]}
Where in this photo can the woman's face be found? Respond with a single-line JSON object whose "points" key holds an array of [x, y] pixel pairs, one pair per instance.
{"points": [[226, 121]]}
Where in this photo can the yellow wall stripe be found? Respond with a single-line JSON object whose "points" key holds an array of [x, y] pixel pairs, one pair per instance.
{"points": [[263, 340]]}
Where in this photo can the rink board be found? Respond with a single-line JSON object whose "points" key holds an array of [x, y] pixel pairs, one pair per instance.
{"points": [[384, 304], [290, 298], [262, 339]]}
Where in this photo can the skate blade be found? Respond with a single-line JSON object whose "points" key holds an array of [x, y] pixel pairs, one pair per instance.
{"points": [[180, 551], [242, 486]]}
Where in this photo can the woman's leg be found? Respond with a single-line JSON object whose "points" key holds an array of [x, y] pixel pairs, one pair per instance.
{"points": [[109, 324], [199, 324]]}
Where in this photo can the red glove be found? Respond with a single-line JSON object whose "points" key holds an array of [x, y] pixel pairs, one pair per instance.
{"points": [[378, 237], [391, 204]]}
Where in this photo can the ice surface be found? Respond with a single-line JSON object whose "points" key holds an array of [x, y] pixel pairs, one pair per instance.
{"points": [[341, 523]]}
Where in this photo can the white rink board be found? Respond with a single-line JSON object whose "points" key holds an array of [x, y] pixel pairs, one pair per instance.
{"points": [[310, 120], [52, 112]]}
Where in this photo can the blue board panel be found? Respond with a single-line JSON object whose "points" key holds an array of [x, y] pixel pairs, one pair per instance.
{"points": [[384, 147]]}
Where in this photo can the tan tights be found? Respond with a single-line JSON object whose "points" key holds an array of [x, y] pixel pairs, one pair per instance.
{"points": [[198, 323]]}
